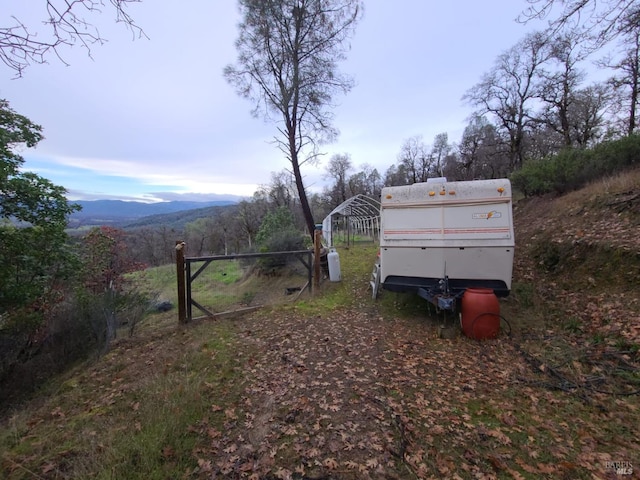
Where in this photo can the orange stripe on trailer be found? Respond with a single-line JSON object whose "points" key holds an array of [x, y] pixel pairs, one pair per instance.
{"points": [[446, 231], [412, 232], [476, 230]]}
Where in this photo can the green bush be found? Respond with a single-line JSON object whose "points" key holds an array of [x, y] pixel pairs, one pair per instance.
{"points": [[571, 169], [534, 178], [278, 233], [284, 241], [104, 313], [617, 155], [277, 225]]}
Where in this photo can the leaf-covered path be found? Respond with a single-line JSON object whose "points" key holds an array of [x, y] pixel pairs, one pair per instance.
{"points": [[356, 395]]}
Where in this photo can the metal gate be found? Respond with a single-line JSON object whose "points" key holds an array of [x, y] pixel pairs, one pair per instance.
{"points": [[230, 270]]}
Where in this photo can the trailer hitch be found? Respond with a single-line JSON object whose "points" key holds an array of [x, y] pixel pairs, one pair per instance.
{"points": [[440, 297]]}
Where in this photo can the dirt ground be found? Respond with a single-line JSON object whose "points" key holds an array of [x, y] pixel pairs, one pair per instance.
{"points": [[360, 395]]}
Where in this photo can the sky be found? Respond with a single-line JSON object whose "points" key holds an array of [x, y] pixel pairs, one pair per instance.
{"points": [[153, 119]]}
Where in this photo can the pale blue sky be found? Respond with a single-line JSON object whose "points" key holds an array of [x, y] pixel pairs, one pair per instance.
{"points": [[153, 118]]}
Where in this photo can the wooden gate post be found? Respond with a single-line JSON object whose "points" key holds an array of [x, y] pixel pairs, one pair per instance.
{"points": [[317, 240], [182, 291]]}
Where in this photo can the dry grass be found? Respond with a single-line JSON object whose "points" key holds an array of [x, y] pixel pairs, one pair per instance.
{"points": [[129, 414], [594, 193]]}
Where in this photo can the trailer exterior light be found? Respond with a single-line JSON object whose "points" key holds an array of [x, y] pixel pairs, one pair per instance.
{"points": [[388, 197], [452, 192], [501, 189], [442, 192], [432, 193]]}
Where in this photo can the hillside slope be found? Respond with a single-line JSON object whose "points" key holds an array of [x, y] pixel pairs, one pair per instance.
{"points": [[582, 252]]}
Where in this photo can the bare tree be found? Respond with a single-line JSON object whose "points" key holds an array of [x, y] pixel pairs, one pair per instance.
{"points": [[288, 52], [480, 152], [65, 23], [338, 170], [439, 152], [626, 78], [250, 215], [204, 236], [602, 19], [558, 85], [366, 182], [507, 92], [397, 174], [281, 190], [413, 156], [587, 112]]}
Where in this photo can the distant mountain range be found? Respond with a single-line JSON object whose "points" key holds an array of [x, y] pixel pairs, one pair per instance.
{"points": [[119, 212]]}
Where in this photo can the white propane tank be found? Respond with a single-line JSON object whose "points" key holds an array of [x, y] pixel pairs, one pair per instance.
{"points": [[334, 265]]}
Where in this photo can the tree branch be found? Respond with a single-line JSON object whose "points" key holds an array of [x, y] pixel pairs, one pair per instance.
{"points": [[22, 46]]}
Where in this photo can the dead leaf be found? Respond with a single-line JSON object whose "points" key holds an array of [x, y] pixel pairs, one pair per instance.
{"points": [[496, 463], [283, 473], [546, 468], [372, 463], [351, 465], [205, 465], [231, 448], [509, 419], [168, 451], [499, 435], [313, 452], [331, 463], [526, 467]]}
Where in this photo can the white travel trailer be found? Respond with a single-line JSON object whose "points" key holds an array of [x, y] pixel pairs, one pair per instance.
{"points": [[440, 238]]}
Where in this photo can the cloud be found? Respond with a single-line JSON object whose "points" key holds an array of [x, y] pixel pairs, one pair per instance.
{"points": [[150, 117]]}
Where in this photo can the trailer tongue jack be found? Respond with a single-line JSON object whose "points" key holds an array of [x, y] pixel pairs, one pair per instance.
{"points": [[441, 297]]}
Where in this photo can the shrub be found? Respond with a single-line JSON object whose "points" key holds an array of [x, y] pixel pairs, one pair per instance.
{"points": [[277, 233], [571, 169], [274, 225], [104, 313], [534, 178], [286, 240], [82, 325], [51, 323]]}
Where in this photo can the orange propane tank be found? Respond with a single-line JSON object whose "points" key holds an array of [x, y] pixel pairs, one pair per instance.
{"points": [[480, 316]]}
